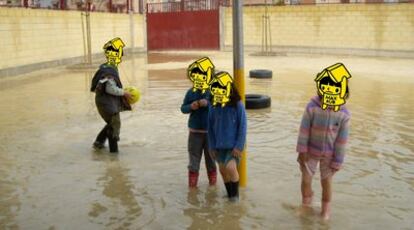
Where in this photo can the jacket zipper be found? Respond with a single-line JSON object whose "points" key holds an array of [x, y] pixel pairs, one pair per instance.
{"points": [[327, 130]]}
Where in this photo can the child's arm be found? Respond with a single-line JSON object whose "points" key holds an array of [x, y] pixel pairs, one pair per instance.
{"points": [[340, 145], [113, 89], [242, 127], [186, 106], [205, 101], [303, 138]]}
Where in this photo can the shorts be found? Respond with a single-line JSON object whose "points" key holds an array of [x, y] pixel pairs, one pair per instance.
{"points": [[223, 156], [324, 166]]}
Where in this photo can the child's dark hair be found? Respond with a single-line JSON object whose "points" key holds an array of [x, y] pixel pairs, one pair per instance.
{"points": [[234, 96]]}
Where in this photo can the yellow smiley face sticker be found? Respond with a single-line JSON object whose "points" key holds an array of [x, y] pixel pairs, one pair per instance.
{"points": [[114, 51], [332, 85], [200, 73], [220, 88]]}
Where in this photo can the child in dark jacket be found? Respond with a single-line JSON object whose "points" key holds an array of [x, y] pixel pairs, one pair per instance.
{"points": [[227, 130], [110, 98], [196, 103]]}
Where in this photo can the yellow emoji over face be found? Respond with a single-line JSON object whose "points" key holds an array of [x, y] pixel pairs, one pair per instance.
{"points": [[332, 84], [200, 73], [114, 51], [220, 88]]}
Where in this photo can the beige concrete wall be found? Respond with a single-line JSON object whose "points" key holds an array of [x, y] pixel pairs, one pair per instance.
{"points": [[385, 27], [30, 36]]}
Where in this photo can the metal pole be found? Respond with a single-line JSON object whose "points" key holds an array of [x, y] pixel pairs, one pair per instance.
{"points": [[270, 33], [266, 38], [238, 68], [132, 26], [88, 31], [84, 40], [263, 30]]}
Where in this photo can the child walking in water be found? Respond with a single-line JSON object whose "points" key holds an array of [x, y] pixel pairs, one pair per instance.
{"points": [[227, 130], [196, 103], [110, 98], [323, 134]]}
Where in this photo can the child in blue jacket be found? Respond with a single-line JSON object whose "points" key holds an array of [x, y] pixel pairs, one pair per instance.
{"points": [[227, 132], [196, 103]]}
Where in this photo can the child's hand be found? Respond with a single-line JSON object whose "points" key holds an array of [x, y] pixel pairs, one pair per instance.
{"points": [[203, 102], [127, 95], [334, 170], [302, 158], [236, 153], [195, 105]]}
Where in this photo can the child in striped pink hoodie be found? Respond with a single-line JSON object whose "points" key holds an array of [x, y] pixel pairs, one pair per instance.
{"points": [[322, 139]]}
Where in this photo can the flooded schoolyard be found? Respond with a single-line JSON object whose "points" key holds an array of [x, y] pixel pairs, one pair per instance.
{"points": [[51, 177]]}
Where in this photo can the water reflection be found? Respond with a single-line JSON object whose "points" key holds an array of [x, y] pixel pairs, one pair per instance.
{"points": [[123, 205]]}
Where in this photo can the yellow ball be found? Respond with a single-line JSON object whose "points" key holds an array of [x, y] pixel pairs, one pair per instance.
{"points": [[134, 93]]}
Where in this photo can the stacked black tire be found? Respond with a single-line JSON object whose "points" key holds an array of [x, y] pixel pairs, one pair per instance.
{"points": [[261, 73], [259, 101]]}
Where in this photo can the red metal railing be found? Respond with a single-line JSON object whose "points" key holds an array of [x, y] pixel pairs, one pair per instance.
{"points": [[121, 6], [184, 5], [313, 2]]}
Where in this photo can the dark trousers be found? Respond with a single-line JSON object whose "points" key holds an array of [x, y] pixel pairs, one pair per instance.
{"points": [[111, 130], [197, 144]]}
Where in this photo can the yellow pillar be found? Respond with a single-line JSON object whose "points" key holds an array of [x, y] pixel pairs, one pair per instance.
{"points": [[239, 82], [238, 67]]}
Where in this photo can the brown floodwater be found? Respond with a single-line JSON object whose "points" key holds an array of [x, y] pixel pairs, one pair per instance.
{"points": [[51, 178]]}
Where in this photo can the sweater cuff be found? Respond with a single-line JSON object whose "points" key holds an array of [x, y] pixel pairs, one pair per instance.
{"points": [[239, 147]]}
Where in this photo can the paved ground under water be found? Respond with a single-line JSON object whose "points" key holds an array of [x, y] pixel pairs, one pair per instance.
{"points": [[51, 178]]}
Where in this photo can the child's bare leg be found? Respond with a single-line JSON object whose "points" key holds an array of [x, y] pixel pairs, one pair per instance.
{"points": [[231, 169], [224, 174], [326, 197], [226, 178], [306, 188]]}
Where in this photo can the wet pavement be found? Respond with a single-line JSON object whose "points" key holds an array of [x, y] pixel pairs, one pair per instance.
{"points": [[51, 178]]}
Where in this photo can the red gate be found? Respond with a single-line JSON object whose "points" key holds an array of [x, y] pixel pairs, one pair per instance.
{"points": [[183, 25]]}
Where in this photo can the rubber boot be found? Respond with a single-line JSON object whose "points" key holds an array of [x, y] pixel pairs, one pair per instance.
{"points": [[326, 210], [192, 179], [100, 139], [234, 196], [113, 145], [212, 177], [228, 188]]}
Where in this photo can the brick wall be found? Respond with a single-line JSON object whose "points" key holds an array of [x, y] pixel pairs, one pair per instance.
{"points": [[383, 27], [30, 36]]}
